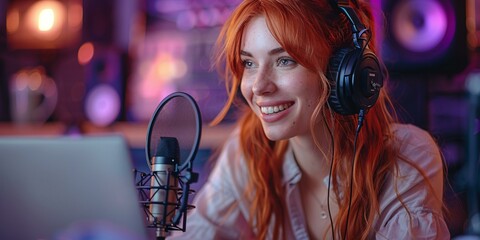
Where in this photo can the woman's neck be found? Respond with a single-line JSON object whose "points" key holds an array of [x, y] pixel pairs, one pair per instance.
{"points": [[313, 160]]}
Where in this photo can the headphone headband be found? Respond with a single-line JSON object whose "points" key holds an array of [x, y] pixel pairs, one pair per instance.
{"points": [[358, 28], [335, 3]]}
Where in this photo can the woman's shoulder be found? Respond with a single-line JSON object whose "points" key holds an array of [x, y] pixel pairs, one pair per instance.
{"points": [[410, 132], [231, 146], [417, 146], [230, 161], [409, 137], [417, 185]]}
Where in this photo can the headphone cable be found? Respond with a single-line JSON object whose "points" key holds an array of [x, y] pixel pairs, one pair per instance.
{"points": [[361, 117], [330, 180]]}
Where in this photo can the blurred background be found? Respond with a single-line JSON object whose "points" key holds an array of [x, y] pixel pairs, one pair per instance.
{"points": [[102, 66]]}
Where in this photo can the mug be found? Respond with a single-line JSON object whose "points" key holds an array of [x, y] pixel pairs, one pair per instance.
{"points": [[33, 96]]}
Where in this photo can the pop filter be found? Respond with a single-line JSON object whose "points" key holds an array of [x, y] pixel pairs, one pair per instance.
{"points": [[173, 137], [180, 118]]}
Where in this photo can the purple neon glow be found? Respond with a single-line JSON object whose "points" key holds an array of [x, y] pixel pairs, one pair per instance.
{"points": [[103, 105], [422, 26]]}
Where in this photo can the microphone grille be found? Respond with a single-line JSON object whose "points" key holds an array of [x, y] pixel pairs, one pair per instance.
{"points": [[168, 147]]}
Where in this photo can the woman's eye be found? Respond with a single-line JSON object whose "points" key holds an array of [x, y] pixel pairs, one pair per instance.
{"points": [[285, 62], [248, 64]]}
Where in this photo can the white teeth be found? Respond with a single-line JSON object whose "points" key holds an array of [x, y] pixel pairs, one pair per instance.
{"points": [[274, 109]]}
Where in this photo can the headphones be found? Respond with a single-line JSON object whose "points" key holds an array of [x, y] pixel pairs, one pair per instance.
{"points": [[354, 72]]}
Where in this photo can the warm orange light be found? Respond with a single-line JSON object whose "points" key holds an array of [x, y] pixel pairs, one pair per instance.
{"points": [[44, 24], [168, 68], [165, 68], [75, 16], [85, 53], [13, 20], [46, 19]]}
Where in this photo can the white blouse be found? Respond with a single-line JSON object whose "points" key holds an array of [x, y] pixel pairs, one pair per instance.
{"points": [[221, 210]]}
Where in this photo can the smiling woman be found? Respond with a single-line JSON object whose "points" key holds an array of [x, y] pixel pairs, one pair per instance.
{"points": [[317, 153], [281, 92]]}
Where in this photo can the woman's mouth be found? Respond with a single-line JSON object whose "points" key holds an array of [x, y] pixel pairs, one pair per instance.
{"points": [[275, 109]]}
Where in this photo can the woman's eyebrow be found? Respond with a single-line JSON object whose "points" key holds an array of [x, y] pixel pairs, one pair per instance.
{"points": [[245, 53], [276, 51], [271, 52]]}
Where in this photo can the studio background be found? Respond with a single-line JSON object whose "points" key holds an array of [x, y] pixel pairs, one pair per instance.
{"points": [[94, 67]]}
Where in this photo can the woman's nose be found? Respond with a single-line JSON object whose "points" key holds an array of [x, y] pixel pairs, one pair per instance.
{"points": [[264, 82]]}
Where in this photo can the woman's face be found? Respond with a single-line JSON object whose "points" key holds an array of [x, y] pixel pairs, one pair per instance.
{"points": [[281, 92]]}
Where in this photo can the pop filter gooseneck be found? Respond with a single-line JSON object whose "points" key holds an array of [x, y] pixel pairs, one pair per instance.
{"points": [[173, 137]]}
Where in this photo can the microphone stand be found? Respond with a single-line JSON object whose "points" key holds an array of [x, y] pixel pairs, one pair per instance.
{"points": [[179, 218]]}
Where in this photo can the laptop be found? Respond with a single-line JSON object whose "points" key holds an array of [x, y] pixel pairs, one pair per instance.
{"points": [[66, 187]]}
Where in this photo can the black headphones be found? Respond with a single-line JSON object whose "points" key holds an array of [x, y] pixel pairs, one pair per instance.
{"points": [[355, 72]]}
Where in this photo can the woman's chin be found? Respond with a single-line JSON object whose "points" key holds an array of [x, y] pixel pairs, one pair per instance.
{"points": [[273, 135]]}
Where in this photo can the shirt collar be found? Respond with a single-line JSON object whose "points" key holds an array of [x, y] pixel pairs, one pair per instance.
{"points": [[291, 170]]}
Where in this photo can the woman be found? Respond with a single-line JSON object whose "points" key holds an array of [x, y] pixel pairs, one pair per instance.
{"points": [[296, 169]]}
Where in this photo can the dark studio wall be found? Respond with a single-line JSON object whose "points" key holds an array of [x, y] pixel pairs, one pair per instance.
{"points": [[424, 45], [4, 107], [429, 58]]}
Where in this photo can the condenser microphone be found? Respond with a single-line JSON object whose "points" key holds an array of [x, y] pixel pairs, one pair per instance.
{"points": [[173, 137], [164, 185]]}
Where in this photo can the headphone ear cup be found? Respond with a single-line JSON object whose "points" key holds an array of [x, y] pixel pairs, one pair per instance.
{"points": [[336, 71], [356, 79]]}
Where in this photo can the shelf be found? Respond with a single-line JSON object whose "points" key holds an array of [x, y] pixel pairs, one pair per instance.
{"points": [[134, 133]]}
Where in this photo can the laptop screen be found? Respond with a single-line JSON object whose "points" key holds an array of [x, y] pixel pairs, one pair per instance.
{"points": [[68, 188]]}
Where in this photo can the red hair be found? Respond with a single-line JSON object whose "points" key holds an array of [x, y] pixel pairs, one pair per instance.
{"points": [[310, 31]]}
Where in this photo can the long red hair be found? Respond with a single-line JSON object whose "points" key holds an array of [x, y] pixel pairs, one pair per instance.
{"points": [[310, 31]]}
